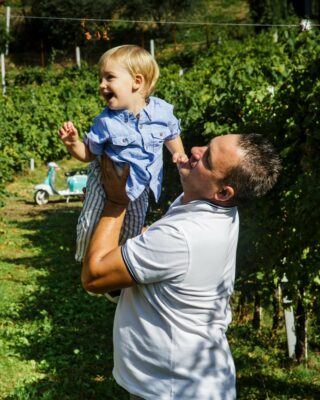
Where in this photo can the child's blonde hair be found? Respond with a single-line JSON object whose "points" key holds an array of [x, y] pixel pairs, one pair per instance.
{"points": [[136, 60]]}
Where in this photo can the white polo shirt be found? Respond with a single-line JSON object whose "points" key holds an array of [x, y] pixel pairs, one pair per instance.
{"points": [[169, 330]]}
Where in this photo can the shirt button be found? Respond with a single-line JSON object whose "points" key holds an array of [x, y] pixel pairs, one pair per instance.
{"points": [[125, 140], [140, 126]]}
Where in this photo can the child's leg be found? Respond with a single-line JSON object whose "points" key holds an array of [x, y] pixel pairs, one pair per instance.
{"points": [[135, 217], [92, 208], [90, 214]]}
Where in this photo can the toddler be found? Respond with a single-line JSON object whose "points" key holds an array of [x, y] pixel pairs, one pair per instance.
{"points": [[130, 130]]}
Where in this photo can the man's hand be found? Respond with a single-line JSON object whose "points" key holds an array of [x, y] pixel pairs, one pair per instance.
{"points": [[179, 157], [69, 134], [114, 185]]}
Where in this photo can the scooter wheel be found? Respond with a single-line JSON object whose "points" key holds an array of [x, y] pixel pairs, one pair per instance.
{"points": [[41, 197]]}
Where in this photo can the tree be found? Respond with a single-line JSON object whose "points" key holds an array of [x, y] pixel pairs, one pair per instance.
{"points": [[61, 34], [276, 11], [57, 33], [268, 11]]}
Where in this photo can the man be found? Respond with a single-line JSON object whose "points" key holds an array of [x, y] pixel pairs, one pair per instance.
{"points": [[170, 322]]}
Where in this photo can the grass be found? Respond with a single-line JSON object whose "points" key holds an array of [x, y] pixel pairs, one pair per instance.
{"points": [[265, 372], [56, 341]]}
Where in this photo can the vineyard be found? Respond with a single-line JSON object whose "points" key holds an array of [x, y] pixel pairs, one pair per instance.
{"points": [[267, 84]]}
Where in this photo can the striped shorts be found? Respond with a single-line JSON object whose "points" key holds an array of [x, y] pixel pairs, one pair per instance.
{"points": [[93, 206]]}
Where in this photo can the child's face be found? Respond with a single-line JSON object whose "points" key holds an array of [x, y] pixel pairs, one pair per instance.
{"points": [[118, 87]]}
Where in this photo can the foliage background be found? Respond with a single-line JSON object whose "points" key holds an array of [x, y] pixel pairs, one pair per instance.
{"points": [[259, 84], [234, 80]]}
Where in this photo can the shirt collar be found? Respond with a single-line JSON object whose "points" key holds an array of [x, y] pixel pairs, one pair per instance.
{"points": [[125, 115], [148, 109], [206, 204]]}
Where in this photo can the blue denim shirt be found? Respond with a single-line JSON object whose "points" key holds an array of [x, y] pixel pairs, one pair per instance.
{"points": [[137, 141]]}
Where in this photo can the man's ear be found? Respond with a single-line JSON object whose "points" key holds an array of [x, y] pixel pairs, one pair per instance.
{"points": [[138, 81], [225, 194]]}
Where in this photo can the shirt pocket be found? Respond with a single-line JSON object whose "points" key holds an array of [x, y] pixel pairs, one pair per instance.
{"points": [[122, 141], [158, 136]]}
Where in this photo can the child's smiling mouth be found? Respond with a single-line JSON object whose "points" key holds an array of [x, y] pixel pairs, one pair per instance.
{"points": [[108, 95]]}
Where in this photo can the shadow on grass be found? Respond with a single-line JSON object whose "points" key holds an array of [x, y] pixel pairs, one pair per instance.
{"points": [[71, 338], [71, 334], [259, 387], [56, 200], [258, 379]]}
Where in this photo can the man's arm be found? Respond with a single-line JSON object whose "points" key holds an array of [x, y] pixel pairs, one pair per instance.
{"points": [[103, 267]]}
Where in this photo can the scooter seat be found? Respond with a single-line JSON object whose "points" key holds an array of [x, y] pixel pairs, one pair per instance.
{"points": [[76, 172]]}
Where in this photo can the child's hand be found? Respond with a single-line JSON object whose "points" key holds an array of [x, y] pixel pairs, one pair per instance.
{"points": [[179, 158], [68, 134]]}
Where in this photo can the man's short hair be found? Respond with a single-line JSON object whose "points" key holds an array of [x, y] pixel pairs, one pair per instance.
{"points": [[257, 171]]}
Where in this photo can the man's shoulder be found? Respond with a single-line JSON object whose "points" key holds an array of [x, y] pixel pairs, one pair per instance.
{"points": [[198, 212]]}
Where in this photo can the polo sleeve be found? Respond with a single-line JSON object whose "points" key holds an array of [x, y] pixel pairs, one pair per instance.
{"points": [[159, 254]]}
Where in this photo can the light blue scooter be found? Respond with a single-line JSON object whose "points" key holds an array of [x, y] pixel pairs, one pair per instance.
{"points": [[76, 182]]}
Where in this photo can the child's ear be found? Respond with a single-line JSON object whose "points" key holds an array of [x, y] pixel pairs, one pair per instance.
{"points": [[138, 81]]}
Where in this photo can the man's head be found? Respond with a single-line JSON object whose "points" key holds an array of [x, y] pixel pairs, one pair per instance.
{"points": [[230, 170]]}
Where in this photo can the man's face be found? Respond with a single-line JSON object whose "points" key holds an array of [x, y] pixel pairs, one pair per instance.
{"points": [[202, 174]]}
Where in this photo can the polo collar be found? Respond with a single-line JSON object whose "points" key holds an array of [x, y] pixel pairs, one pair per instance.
{"points": [[200, 203]]}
